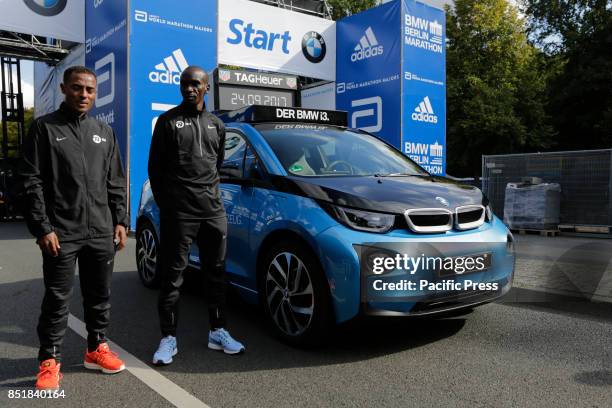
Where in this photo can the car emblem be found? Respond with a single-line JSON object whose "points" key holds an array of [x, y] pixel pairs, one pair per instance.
{"points": [[180, 124], [443, 201]]}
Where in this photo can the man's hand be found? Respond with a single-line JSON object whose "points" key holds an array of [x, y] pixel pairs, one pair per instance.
{"points": [[49, 244], [120, 237]]}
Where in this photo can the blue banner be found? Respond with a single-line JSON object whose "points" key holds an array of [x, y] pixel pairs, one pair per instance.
{"points": [[106, 54], [368, 70], [165, 38], [424, 85]]}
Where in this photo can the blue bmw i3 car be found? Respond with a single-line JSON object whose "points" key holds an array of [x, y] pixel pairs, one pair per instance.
{"points": [[327, 223]]}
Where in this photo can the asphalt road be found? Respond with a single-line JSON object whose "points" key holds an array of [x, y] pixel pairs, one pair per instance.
{"points": [[553, 351]]}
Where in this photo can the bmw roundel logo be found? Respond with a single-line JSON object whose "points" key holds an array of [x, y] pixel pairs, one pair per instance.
{"points": [[443, 201], [46, 7], [313, 47]]}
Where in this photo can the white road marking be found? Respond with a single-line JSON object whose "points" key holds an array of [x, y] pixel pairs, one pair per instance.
{"points": [[157, 382]]}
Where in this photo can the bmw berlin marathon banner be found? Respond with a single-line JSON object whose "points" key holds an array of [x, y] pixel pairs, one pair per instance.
{"points": [[106, 54], [164, 40], [368, 71], [394, 86], [258, 36], [424, 90]]}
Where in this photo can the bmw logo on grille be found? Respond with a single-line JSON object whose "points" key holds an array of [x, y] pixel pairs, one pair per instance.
{"points": [[46, 7], [313, 47], [443, 201]]}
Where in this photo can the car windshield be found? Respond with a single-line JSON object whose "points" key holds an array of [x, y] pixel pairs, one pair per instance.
{"points": [[319, 151]]}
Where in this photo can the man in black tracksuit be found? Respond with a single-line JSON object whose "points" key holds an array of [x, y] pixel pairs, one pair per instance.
{"points": [[186, 154], [75, 198]]}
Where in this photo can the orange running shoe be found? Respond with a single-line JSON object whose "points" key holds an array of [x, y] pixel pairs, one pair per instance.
{"points": [[49, 375], [103, 359]]}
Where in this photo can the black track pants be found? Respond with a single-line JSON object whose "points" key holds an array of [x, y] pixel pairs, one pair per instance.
{"points": [[176, 239], [95, 257]]}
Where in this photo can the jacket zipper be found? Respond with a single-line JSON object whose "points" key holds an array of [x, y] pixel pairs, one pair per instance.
{"points": [[197, 121], [80, 137]]}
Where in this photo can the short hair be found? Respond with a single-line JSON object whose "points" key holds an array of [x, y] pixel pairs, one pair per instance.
{"points": [[77, 69]]}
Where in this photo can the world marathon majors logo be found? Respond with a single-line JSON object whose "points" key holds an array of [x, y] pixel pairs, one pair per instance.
{"points": [[46, 8], [314, 47]]}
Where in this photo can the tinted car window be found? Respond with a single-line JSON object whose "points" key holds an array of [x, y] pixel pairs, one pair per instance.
{"points": [[235, 147], [319, 151]]}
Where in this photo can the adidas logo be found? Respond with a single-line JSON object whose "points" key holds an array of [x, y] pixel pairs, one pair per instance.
{"points": [[368, 47], [424, 112], [169, 71]]}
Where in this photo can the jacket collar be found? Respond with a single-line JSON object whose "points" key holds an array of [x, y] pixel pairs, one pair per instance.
{"points": [[191, 111], [70, 113]]}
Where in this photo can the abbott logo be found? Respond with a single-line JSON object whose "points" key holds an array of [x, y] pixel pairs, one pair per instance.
{"points": [[424, 112], [368, 47], [108, 74], [376, 110], [141, 16], [169, 71]]}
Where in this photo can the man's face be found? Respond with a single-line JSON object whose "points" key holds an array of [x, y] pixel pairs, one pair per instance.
{"points": [[80, 92], [194, 85]]}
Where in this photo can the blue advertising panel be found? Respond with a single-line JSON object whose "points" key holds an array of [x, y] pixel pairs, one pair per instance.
{"points": [[106, 54], [164, 40], [368, 70], [424, 85]]}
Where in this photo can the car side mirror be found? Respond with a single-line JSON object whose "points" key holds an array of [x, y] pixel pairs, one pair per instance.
{"points": [[253, 172]]}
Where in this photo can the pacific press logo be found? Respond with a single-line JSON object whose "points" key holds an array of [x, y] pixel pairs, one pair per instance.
{"points": [[46, 7], [313, 47]]}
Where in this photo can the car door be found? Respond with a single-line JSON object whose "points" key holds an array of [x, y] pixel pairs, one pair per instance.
{"points": [[236, 193]]}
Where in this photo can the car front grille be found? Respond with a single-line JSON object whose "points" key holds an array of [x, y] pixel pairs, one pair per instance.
{"points": [[436, 220], [469, 217], [429, 220]]}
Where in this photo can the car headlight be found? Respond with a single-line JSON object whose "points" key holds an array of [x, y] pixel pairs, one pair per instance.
{"points": [[362, 220]]}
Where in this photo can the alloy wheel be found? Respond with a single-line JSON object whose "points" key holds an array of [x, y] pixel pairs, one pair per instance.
{"points": [[289, 294]]}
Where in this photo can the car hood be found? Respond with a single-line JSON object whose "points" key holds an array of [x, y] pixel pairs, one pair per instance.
{"points": [[392, 194]]}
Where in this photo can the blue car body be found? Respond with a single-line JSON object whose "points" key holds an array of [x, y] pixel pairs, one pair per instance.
{"points": [[260, 213]]}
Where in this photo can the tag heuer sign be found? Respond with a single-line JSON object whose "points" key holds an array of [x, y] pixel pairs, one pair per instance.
{"points": [[258, 79]]}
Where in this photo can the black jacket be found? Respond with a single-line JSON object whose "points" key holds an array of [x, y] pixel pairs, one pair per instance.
{"points": [[186, 154], [72, 177]]}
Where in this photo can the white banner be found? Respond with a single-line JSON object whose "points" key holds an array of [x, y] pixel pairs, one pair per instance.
{"points": [[269, 38], [319, 97], [60, 19]]}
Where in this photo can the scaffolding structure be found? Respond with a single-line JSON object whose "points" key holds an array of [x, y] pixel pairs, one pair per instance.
{"points": [[318, 8]]}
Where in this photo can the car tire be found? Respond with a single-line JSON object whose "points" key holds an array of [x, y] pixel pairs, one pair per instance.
{"points": [[297, 306], [147, 255]]}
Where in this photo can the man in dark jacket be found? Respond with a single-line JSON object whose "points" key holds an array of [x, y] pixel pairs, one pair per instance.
{"points": [[75, 194], [186, 154]]}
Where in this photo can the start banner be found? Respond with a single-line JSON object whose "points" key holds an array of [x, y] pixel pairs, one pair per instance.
{"points": [[288, 42]]}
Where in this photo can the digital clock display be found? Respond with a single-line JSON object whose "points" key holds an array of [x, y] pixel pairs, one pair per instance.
{"points": [[236, 97]]}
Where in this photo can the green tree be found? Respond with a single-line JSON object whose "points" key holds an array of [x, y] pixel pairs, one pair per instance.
{"points": [[343, 8], [577, 38], [13, 134], [495, 89]]}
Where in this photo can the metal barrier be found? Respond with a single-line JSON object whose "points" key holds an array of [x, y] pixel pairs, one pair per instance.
{"points": [[585, 178]]}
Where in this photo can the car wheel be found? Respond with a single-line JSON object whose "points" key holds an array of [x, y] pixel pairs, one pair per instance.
{"points": [[147, 247], [295, 295]]}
